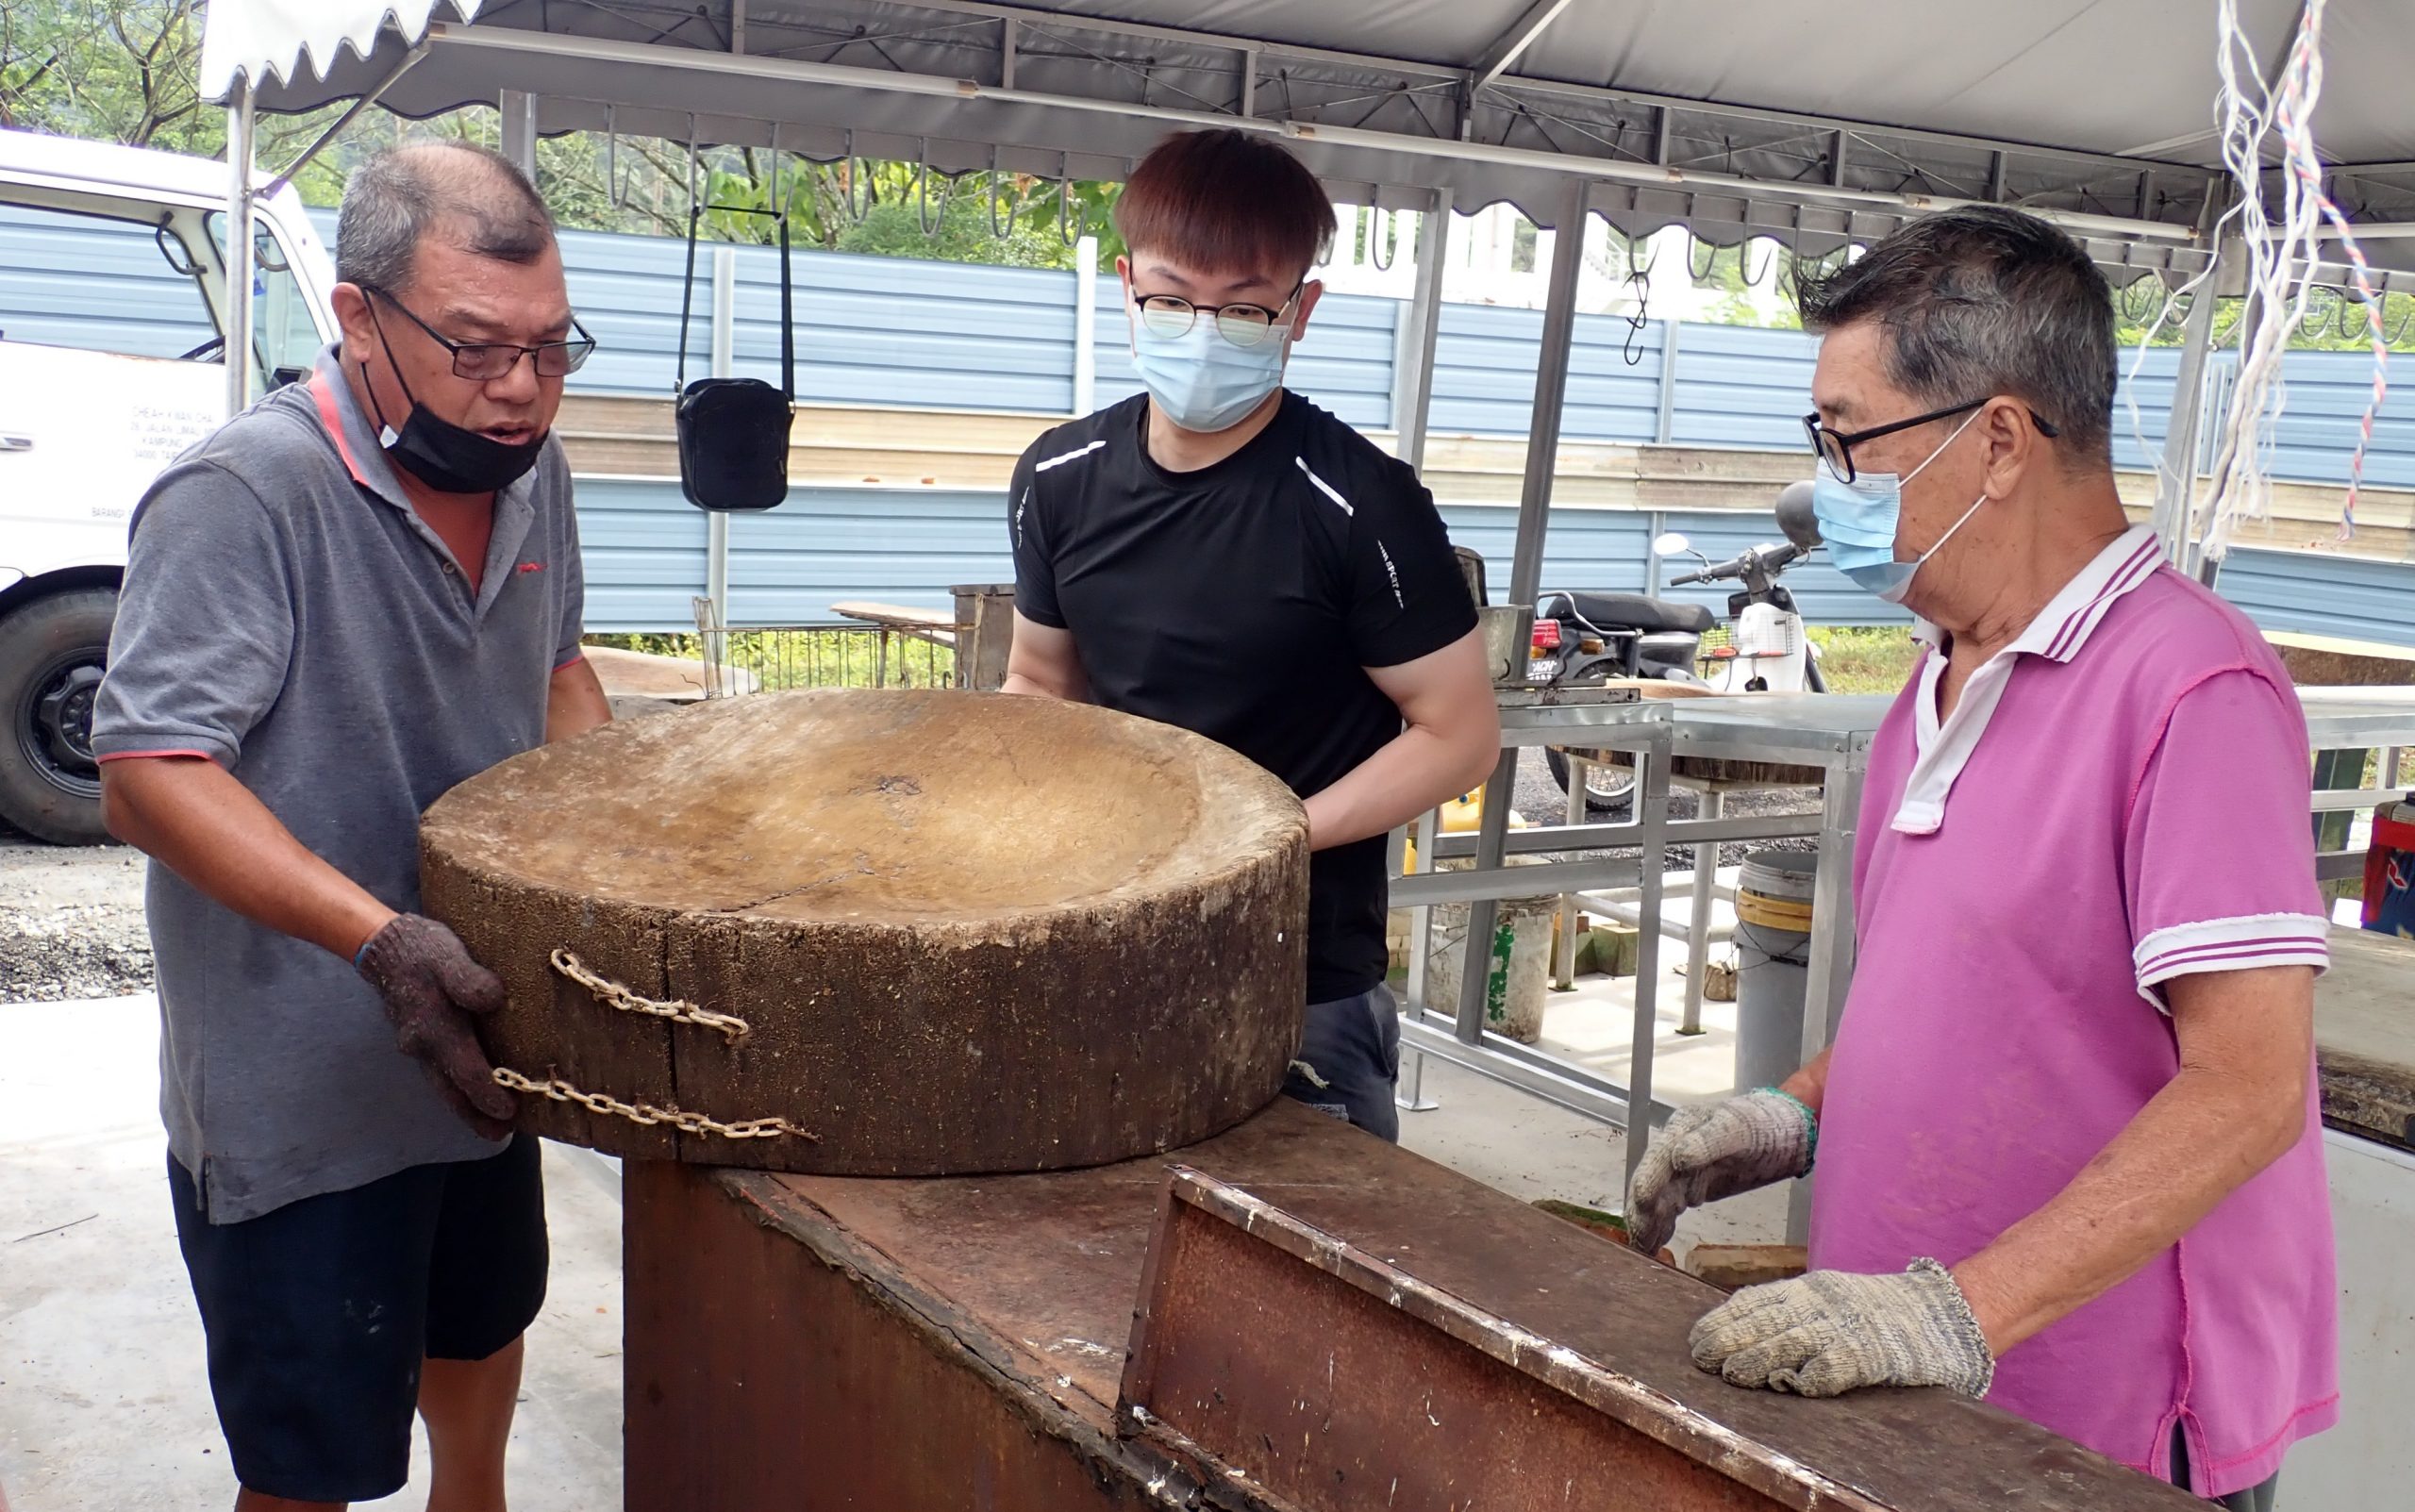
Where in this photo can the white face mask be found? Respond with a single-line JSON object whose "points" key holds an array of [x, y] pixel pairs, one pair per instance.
{"points": [[1202, 381]]}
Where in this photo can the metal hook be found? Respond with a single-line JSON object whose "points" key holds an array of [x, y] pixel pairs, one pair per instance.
{"points": [[1632, 242], [929, 223], [1071, 229], [997, 232], [855, 213], [615, 192], [1379, 230], [1637, 322], [2394, 338], [1706, 269], [1743, 263]]}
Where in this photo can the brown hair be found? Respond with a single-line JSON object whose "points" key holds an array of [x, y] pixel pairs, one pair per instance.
{"points": [[1225, 201]]}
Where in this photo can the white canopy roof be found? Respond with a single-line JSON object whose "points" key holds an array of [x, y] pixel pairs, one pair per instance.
{"points": [[1771, 117]]}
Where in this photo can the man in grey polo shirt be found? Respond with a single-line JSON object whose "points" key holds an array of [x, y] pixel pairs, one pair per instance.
{"points": [[359, 592]]}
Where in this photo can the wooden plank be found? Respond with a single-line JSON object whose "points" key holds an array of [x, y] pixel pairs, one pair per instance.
{"points": [[2364, 1034], [1041, 1273]]}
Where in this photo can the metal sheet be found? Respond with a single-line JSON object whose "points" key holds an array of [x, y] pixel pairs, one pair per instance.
{"points": [[1034, 1278]]}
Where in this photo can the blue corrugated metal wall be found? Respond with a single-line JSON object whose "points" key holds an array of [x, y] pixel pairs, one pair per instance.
{"points": [[939, 335], [881, 331]]}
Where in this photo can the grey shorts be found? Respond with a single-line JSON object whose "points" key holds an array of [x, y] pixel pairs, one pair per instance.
{"points": [[1349, 1061]]}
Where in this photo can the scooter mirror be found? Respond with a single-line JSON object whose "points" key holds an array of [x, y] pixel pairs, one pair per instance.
{"points": [[1795, 516], [1674, 543]]}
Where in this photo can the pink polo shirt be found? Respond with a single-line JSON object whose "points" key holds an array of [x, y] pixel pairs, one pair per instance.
{"points": [[2120, 798]]}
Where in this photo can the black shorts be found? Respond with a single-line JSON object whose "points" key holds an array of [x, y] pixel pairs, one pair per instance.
{"points": [[1349, 1061], [318, 1312]]}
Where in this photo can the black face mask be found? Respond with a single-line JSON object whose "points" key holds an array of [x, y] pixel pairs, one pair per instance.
{"points": [[443, 456]]}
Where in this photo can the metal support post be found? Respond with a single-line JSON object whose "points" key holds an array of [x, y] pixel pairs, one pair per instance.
{"points": [[1652, 818], [1664, 427], [717, 521], [1551, 391], [236, 348], [1484, 914], [1829, 971], [1421, 324], [1085, 323], [1704, 900], [1421, 949], [2176, 480], [520, 130]]}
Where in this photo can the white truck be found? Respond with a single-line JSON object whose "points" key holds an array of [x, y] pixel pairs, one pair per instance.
{"points": [[112, 355]]}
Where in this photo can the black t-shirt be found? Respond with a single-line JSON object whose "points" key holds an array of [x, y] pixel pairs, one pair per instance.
{"points": [[1244, 600]]}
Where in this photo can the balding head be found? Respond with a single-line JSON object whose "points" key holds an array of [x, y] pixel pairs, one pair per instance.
{"points": [[471, 198]]}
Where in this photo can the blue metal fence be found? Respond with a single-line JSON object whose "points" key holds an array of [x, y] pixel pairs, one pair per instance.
{"points": [[887, 332]]}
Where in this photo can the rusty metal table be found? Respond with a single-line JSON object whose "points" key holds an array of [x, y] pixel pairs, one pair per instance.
{"points": [[931, 1345]]}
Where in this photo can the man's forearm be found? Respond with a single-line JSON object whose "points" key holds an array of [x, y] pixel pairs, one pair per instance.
{"points": [[574, 701], [2194, 1143], [1418, 768], [195, 818]]}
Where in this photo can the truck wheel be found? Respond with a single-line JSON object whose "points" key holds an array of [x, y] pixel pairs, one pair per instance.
{"points": [[52, 650]]}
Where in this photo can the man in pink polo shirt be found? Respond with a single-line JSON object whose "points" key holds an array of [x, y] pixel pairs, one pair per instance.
{"points": [[2068, 1150]]}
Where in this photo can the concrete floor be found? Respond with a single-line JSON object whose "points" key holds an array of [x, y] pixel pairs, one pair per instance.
{"points": [[104, 1402]]}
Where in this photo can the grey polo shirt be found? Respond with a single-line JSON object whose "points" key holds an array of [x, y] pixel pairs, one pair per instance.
{"points": [[286, 615]]}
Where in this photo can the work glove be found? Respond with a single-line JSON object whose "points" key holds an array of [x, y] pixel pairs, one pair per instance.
{"points": [[1706, 1152], [431, 988], [1830, 1331]]}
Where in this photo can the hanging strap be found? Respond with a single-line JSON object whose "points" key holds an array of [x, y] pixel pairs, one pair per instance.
{"points": [[686, 294]]}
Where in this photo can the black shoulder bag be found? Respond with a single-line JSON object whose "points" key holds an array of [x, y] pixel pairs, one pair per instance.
{"points": [[734, 432]]}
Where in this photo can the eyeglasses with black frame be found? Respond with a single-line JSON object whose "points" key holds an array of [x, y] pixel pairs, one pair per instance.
{"points": [[1170, 315], [486, 361], [1835, 447]]}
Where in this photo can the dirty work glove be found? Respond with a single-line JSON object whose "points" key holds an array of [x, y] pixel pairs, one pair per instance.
{"points": [[1709, 1152], [431, 988], [1830, 1331]]}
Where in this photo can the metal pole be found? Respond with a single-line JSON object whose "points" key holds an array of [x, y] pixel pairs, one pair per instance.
{"points": [[1421, 328], [1484, 914], [2177, 482], [238, 328], [520, 130], [1652, 766], [1700, 903], [717, 521], [1085, 325], [1421, 949], [1551, 389]]}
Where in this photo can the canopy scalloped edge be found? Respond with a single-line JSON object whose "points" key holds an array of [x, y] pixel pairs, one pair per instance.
{"points": [[252, 38]]}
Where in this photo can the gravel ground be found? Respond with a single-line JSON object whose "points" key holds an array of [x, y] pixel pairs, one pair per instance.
{"points": [[71, 922]]}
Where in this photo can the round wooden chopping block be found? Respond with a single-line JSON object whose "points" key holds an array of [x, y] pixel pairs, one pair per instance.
{"points": [[964, 932]]}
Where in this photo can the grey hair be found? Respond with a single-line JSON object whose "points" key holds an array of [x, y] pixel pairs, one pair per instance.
{"points": [[476, 198], [1982, 300]]}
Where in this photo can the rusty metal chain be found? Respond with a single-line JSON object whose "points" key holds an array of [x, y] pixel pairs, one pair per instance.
{"points": [[678, 1010], [649, 1116]]}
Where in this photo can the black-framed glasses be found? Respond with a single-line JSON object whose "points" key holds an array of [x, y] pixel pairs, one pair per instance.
{"points": [[486, 361], [1835, 447], [1170, 315]]}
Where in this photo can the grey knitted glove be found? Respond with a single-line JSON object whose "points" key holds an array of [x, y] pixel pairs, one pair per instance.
{"points": [[1706, 1152], [432, 987], [1830, 1331]]}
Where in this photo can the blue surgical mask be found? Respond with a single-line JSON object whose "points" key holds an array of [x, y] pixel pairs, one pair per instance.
{"points": [[1203, 382], [1857, 522]]}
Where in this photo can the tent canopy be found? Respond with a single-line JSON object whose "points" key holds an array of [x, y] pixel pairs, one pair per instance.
{"points": [[1814, 124]]}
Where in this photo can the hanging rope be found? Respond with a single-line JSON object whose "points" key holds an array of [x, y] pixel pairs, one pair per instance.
{"points": [[2283, 255]]}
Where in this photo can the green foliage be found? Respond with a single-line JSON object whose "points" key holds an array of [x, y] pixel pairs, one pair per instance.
{"points": [[1871, 658]]}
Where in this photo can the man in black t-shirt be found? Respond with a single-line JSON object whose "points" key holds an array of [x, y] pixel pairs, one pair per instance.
{"points": [[1221, 555]]}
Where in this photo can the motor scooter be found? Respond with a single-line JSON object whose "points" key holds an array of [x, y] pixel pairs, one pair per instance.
{"points": [[1591, 637]]}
